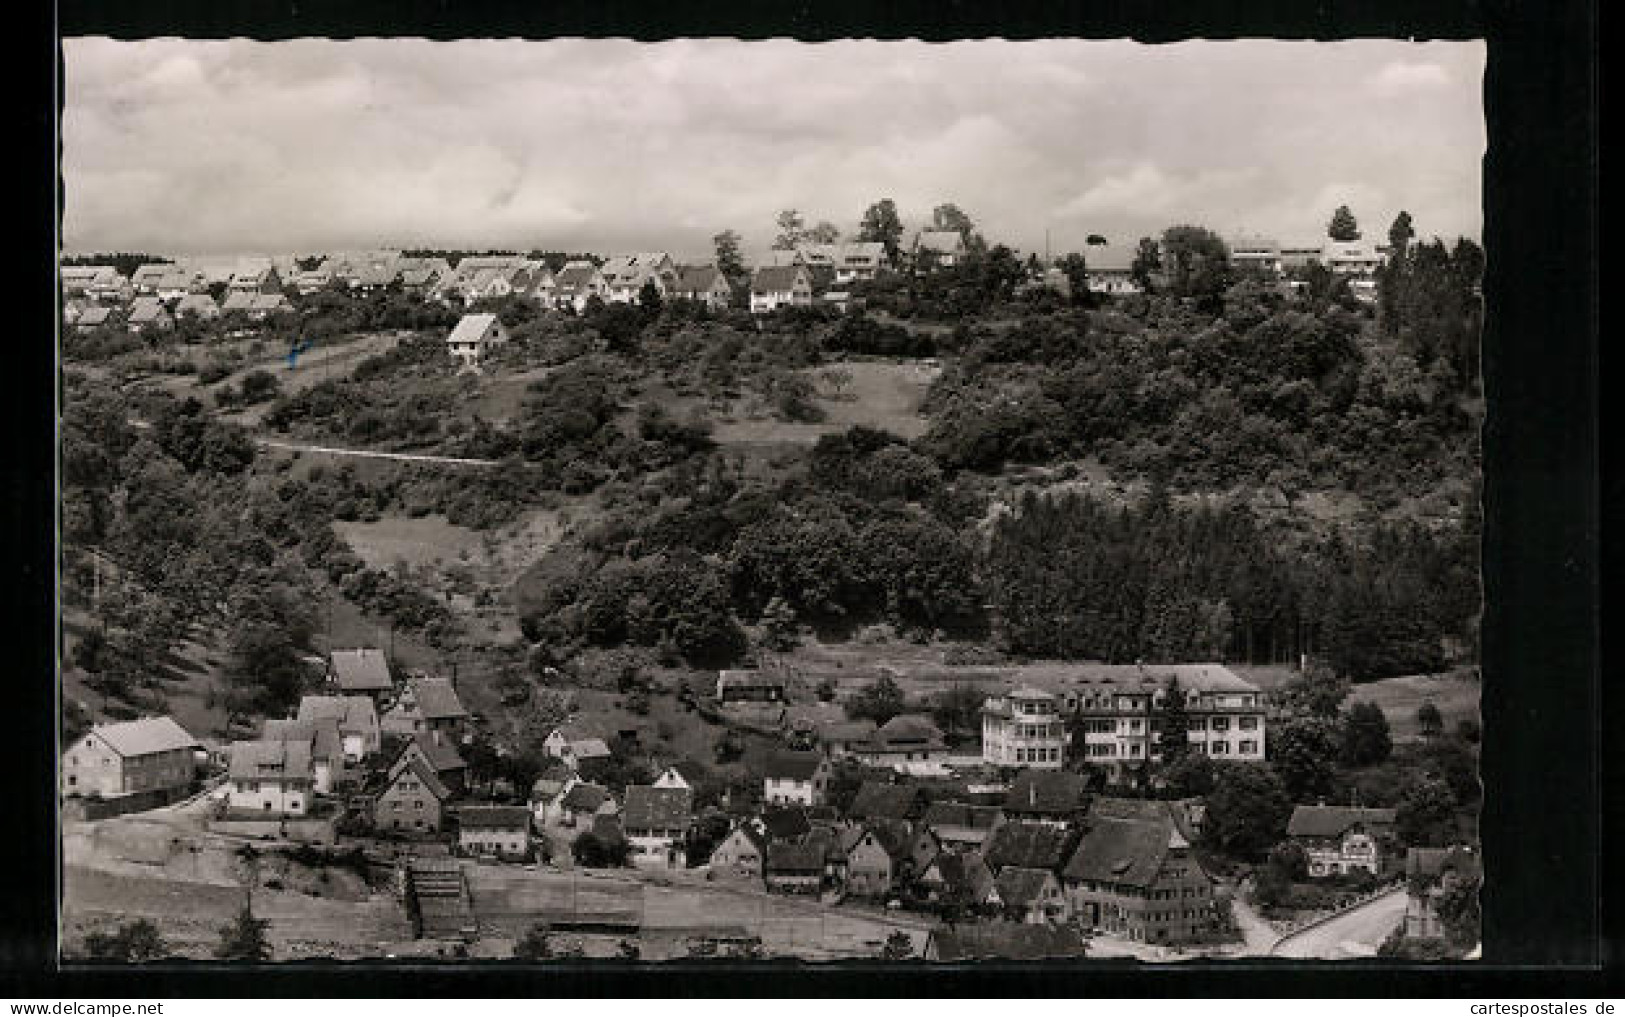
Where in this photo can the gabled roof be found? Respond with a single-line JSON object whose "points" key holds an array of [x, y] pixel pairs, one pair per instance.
{"points": [[1335, 820], [144, 737], [238, 301], [145, 309], [1124, 851], [789, 765], [1006, 941], [847, 731], [1018, 885], [436, 699], [442, 755], [197, 303], [361, 670], [471, 328], [353, 713], [699, 280], [94, 315], [493, 817], [875, 800], [784, 858], [1179, 813], [656, 808], [428, 777], [270, 760], [965, 877], [321, 735], [776, 278], [750, 833], [1028, 845]]}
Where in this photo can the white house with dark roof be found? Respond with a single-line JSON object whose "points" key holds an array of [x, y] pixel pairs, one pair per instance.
{"points": [[577, 283], [704, 285], [1109, 269], [271, 776], [625, 275], [154, 754], [656, 822], [859, 260], [1023, 727], [776, 286], [322, 740], [255, 275], [1340, 839], [795, 778], [427, 705]]}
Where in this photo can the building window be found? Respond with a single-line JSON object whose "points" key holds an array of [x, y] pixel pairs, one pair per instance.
{"points": [[1248, 723]]}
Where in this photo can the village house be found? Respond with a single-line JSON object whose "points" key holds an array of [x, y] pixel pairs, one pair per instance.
{"points": [[427, 705], [841, 739], [93, 317], [574, 745], [145, 278], [859, 260], [1138, 878], [1300, 255], [238, 302], [942, 247], [439, 755], [794, 868], [1055, 798], [795, 778], [267, 305], [873, 855], [361, 672], [961, 828], [148, 313], [683, 773], [476, 336], [1254, 253], [625, 276], [735, 686], [740, 857], [412, 801], [321, 741], [312, 280], [1031, 896], [1028, 846], [704, 285], [1430, 873], [98, 282], [199, 305], [271, 776], [776, 286], [656, 822], [1339, 839], [1116, 706], [547, 792], [357, 722], [154, 755], [905, 738], [959, 880], [257, 275], [174, 285], [577, 283], [777, 824], [1110, 270], [495, 831], [1023, 728]]}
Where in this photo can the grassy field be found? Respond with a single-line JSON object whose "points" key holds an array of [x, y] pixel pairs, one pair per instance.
{"points": [[880, 395], [1456, 696], [427, 540]]}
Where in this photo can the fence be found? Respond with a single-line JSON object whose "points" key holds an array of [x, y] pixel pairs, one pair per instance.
{"points": [[1318, 918]]}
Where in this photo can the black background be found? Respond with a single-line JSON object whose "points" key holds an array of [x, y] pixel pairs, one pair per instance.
{"points": [[1544, 703]]}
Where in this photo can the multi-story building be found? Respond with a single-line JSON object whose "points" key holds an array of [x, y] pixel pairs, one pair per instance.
{"points": [[1138, 878], [150, 755], [1117, 707], [1340, 839], [1023, 728], [276, 777]]}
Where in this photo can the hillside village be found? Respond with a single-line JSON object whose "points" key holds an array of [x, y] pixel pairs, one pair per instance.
{"points": [[904, 598]]}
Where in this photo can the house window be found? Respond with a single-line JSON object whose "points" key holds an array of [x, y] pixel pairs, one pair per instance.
{"points": [[1248, 723], [1248, 747]]}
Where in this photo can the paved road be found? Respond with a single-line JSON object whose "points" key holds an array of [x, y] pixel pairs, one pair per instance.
{"points": [[1355, 933]]}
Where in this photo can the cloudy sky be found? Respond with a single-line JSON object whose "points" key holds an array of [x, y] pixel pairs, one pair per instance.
{"points": [[228, 147]]}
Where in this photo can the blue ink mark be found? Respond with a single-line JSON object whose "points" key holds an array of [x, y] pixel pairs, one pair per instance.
{"points": [[294, 351]]}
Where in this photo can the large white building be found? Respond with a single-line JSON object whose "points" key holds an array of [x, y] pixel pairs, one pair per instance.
{"points": [[1118, 707], [1023, 728]]}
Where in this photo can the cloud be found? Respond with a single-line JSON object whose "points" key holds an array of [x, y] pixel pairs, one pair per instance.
{"points": [[231, 146], [1403, 78]]}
